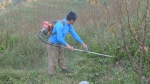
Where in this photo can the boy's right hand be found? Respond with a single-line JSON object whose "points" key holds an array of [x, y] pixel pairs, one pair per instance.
{"points": [[69, 47]]}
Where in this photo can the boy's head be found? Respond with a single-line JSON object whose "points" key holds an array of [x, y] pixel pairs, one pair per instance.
{"points": [[72, 16]]}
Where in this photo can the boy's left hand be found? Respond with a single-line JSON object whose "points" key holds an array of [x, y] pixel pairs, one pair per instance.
{"points": [[85, 46]]}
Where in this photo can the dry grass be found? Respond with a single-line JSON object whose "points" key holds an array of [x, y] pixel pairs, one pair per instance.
{"points": [[98, 26]]}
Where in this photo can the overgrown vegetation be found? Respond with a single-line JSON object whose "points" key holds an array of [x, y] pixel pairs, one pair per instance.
{"points": [[117, 28], [4, 4]]}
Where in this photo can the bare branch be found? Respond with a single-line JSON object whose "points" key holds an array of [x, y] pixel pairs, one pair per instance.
{"points": [[145, 31], [140, 65], [130, 25], [145, 27], [133, 65]]}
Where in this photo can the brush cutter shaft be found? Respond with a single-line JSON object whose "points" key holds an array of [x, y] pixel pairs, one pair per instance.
{"points": [[93, 53]]}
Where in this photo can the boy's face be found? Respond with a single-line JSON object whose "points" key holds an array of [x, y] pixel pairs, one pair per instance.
{"points": [[72, 21]]}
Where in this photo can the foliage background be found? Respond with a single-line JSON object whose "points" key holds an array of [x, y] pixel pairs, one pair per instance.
{"points": [[23, 58]]}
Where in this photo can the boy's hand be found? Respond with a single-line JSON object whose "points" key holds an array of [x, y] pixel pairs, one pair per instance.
{"points": [[85, 46], [69, 47]]}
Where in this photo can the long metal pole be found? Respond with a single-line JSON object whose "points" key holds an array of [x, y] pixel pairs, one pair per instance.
{"points": [[93, 53]]}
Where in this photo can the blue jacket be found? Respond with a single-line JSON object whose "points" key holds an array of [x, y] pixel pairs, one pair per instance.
{"points": [[61, 31]]}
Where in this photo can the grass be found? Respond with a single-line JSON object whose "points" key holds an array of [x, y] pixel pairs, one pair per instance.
{"points": [[23, 58], [83, 67]]}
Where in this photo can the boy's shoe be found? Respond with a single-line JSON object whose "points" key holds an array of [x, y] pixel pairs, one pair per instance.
{"points": [[66, 71], [51, 75]]}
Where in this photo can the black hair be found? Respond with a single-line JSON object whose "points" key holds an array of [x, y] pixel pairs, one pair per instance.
{"points": [[71, 16]]}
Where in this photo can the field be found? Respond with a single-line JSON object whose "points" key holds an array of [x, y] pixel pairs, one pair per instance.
{"points": [[107, 27]]}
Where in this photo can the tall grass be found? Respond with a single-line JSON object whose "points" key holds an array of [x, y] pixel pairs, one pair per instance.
{"points": [[23, 58]]}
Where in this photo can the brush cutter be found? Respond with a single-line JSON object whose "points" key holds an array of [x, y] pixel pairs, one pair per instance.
{"points": [[44, 38]]}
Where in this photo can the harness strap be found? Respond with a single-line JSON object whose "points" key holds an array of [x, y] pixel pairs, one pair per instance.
{"points": [[55, 23]]}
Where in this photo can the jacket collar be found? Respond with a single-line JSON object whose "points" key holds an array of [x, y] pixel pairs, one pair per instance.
{"points": [[65, 22]]}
